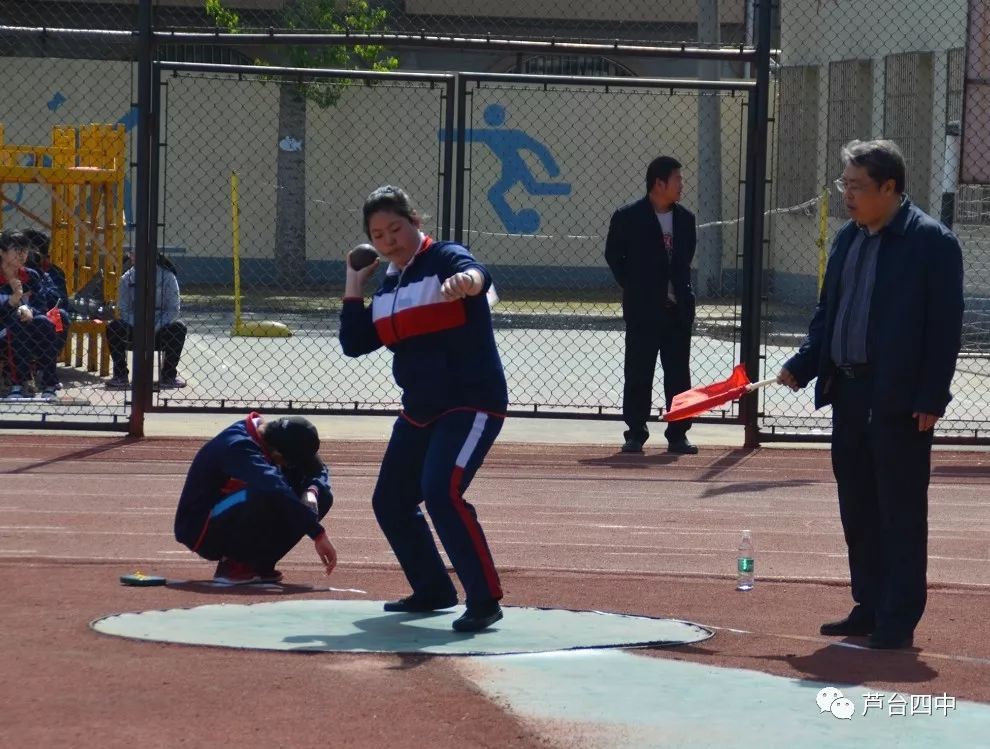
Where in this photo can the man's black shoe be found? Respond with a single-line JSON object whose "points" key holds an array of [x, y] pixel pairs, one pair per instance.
{"points": [[477, 618], [632, 446], [416, 604], [848, 627], [682, 447], [880, 641]]}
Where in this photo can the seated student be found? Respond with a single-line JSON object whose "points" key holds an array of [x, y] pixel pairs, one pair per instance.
{"points": [[53, 287], [170, 332], [252, 492], [30, 335]]}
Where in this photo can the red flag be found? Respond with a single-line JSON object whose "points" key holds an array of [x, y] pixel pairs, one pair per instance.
{"points": [[56, 317], [693, 402]]}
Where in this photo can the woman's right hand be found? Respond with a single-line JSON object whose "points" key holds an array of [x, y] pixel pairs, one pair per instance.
{"points": [[355, 279]]}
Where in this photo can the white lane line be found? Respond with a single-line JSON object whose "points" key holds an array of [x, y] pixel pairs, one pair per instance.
{"points": [[33, 528]]}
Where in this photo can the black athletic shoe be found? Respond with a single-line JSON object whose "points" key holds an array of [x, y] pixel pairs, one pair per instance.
{"points": [[477, 618], [417, 604], [851, 626], [632, 446], [682, 447]]}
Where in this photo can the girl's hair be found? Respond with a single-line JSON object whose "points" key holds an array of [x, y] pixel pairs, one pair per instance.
{"points": [[388, 198], [164, 262], [13, 239]]}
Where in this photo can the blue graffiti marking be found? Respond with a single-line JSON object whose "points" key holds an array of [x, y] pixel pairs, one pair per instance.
{"points": [[129, 120], [57, 100], [508, 146]]}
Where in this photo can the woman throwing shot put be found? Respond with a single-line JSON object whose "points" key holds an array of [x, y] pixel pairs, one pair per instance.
{"points": [[432, 313]]}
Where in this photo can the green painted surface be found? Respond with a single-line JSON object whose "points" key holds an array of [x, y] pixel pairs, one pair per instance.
{"points": [[362, 626], [619, 699]]}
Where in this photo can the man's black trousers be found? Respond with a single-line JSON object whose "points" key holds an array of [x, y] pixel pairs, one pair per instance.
{"points": [[670, 337], [882, 465]]}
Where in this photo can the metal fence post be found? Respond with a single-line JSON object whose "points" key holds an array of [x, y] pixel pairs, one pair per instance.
{"points": [[144, 233], [450, 95], [461, 98], [755, 202]]}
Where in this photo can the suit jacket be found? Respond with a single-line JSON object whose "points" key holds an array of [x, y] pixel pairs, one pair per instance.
{"points": [[915, 326], [634, 251]]}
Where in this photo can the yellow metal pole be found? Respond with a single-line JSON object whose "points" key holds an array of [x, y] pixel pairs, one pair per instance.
{"points": [[236, 230], [252, 328], [822, 238]]}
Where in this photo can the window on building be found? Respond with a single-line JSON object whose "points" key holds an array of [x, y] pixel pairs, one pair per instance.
{"points": [[797, 135], [955, 79], [850, 116], [569, 65], [907, 118], [207, 54]]}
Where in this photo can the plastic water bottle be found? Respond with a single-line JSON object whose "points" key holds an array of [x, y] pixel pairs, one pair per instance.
{"points": [[744, 563]]}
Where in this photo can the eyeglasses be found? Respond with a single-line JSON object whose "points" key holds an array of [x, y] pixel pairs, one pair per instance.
{"points": [[851, 187]]}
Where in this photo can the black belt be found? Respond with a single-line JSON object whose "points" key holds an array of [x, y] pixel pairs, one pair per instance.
{"points": [[855, 371]]}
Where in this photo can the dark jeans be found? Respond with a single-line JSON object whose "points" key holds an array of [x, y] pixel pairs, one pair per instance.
{"points": [[882, 465], [669, 337], [169, 339], [256, 531], [435, 464], [27, 342]]}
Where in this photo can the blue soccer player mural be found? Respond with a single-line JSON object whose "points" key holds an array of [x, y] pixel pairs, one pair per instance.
{"points": [[508, 145]]}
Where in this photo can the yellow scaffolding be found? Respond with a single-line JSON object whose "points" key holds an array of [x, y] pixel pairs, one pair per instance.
{"points": [[83, 172]]}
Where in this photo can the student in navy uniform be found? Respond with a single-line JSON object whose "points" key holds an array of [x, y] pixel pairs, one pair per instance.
{"points": [[432, 313], [251, 494], [649, 249], [883, 344], [29, 336], [53, 285]]}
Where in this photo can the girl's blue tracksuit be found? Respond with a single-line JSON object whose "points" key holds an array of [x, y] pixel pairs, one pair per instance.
{"points": [[453, 404]]}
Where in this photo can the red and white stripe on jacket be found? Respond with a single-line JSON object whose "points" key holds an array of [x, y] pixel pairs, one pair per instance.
{"points": [[416, 308]]}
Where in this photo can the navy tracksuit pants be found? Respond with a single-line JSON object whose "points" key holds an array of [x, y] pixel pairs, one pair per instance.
{"points": [[253, 528], [434, 464], [882, 466]]}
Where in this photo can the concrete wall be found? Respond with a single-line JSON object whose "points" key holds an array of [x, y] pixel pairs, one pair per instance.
{"points": [[600, 142], [817, 32]]}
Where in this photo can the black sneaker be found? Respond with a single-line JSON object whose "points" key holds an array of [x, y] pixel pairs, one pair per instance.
{"points": [[477, 618], [851, 626], [632, 446], [417, 604], [682, 447]]}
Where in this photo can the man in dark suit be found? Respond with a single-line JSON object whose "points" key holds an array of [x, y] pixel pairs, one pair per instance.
{"points": [[649, 248], [883, 344]]}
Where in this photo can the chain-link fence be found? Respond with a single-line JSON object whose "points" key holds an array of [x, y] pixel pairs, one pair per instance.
{"points": [[644, 22], [860, 70], [547, 164], [845, 70], [70, 180], [261, 294]]}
